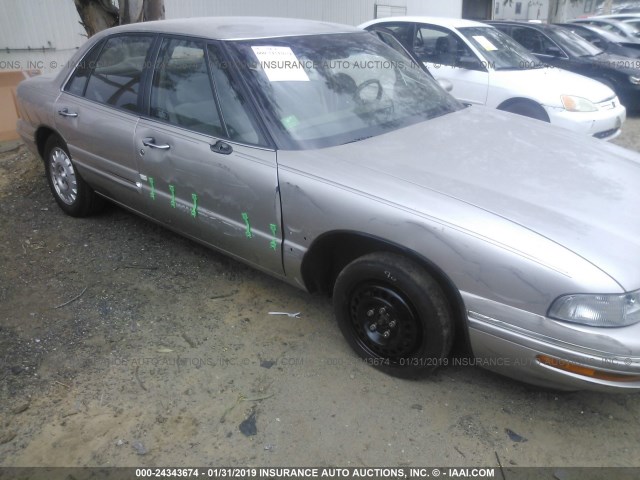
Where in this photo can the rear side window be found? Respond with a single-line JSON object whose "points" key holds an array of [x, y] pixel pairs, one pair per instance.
{"points": [[115, 78], [78, 81]]}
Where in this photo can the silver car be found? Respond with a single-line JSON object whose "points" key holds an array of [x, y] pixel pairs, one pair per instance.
{"points": [[317, 153]]}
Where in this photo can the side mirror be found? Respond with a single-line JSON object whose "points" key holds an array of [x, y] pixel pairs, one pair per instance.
{"points": [[553, 51], [446, 85], [469, 62]]}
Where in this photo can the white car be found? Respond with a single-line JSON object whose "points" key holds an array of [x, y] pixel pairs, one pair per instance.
{"points": [[625, 28], [486, 67]]}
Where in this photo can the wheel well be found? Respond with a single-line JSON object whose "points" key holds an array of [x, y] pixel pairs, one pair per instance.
{"points": [[525, 101], [331, 252], [42, 135]]}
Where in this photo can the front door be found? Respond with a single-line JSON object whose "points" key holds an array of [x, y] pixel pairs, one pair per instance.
{"points": [[447, 56], [204, 167]]}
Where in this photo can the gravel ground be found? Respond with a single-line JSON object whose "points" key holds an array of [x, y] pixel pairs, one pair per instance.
{"points": [[122, 344]]}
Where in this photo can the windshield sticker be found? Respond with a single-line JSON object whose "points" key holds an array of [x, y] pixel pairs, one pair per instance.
{"points": [[247, 232], [486, 44], [152, 184], [290, 122], [194, 208], [172, 189], [280, 64], [274, 242]]}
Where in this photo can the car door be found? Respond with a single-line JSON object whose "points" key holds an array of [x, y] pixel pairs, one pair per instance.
{"points": [[448, 57], [205, 166], [97, 113]]}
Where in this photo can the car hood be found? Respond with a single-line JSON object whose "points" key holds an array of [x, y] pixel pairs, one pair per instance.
{"points": [[550, 82], [576, 191]]}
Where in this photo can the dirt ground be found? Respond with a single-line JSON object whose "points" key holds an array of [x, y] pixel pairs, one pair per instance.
{"points": [[122, 344]]}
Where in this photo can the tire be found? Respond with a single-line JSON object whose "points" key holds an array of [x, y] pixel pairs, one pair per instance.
{"points": [[74, 196], [393, 314], [527, 109]]}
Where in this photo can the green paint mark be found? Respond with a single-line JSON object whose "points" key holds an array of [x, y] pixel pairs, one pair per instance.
{"points": [[194, 209], [153, 188], [172, 189], [245, 217], [290, 122], [274, 242]]}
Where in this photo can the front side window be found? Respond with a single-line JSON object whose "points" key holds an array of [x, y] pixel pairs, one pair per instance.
{"points": [[115, 80], [181, 93], [442, 47], [534, 41], [573, 43], [240, 123], [324, 90]]}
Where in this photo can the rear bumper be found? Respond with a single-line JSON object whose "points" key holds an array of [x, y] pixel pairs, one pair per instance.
{"points": [[27, 134], [518, 344]]}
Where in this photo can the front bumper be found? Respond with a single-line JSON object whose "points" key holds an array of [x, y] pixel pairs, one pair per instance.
{"points": [[518, 344], [605, 123]]}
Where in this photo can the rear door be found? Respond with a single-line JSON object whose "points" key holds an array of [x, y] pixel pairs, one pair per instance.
{"points": [[98, 111], [206, 168]]}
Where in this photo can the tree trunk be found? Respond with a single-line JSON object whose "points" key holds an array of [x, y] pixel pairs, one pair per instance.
{"points": [[96, 15], [133, 11], [153, 10]]}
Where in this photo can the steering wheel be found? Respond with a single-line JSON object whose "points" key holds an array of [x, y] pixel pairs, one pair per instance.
{"points": [[365, 84]]}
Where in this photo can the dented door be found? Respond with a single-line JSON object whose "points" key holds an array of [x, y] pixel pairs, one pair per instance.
{"points": [[198, 172]]}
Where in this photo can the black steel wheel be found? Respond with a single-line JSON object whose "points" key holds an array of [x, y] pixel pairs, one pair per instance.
{"points": [[70, 191], [393, 314]]}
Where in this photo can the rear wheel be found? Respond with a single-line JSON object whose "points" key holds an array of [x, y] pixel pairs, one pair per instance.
{"points": [[70, 191], [393, 314]]}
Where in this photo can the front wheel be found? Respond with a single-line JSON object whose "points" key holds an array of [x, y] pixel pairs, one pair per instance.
{"points": [[70, 191], [527, 109], [393, 314]]}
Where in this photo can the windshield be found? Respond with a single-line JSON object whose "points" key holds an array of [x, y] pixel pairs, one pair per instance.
{"points": [[500, 50], [326, 90], [573, 44]]}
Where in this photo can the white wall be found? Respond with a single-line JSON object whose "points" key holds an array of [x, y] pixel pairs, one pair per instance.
{"points": [[37, 24], [54, 24], [529, 10], [435, 8], [351, 12]]}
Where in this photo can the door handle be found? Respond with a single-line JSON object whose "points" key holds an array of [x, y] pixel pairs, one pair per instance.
{"points": [[150, 142], [66, 113], [221, 147]]}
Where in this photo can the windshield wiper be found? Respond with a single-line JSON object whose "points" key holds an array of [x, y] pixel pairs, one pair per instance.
{"points": [[357, 139]]}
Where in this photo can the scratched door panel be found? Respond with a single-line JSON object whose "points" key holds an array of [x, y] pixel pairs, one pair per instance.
{"points": [[229, 201]]}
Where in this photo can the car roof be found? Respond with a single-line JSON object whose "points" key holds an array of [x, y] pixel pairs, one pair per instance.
{"points": [[235, 28], [440, 21], [611, 36], [536, 25], [612, 21]]}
